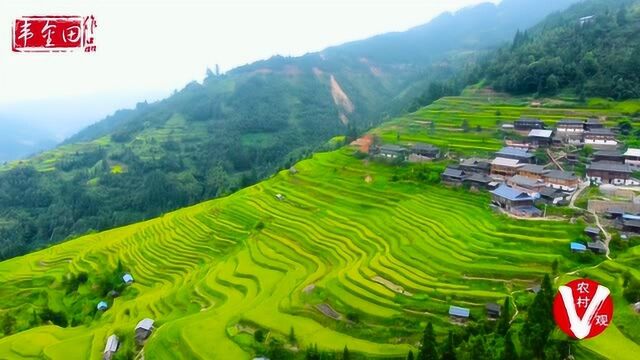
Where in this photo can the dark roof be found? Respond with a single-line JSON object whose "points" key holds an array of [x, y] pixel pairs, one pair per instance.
{"points": [[593, 121], [424, 147], [476, 162], [510, 193], [612, 167], [631, 223], [615, 211], [392, 148], [570, 122], [550, 192], [609, 153], [598, 245], [480, 178], [514, 151], [524, 119], [493, 307], [451, 172], [592, 230], [603, 131], [564, 175], [524, 181], [532, 168]]}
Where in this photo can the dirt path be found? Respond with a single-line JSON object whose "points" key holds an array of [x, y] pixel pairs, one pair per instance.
{"points": [[576, 194]]}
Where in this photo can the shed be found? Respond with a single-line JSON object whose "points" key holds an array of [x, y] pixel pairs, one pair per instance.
{"points": [[143, 330], [459, 312], [102, 306], [111, 347], [578, 247], [493, 310], [280, 197], [127, 278], [597, 247], [592, 231], [631, 225]]}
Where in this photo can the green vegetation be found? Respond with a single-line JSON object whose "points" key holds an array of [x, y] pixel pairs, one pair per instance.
{"points": [[602, 60]]}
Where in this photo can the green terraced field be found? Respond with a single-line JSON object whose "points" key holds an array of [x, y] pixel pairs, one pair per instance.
{"points": [[485, 114], [386, 256]]}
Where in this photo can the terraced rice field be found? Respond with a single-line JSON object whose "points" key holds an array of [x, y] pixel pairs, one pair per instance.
{"points": [[341, 260], [392, 255], [485, 115]]}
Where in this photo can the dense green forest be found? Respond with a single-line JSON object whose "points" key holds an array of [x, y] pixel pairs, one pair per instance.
{"points": [[592, 49], [233, 129]]}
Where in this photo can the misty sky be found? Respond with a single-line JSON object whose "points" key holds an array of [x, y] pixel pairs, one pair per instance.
{"points": [[147, 48]]}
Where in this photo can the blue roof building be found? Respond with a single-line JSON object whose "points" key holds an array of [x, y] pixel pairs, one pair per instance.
{"points": [[127, 278], [102, 306], [459, 312], [578, 247]]}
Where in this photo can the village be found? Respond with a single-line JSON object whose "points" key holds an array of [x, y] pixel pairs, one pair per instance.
{"points": [[537, 167]]}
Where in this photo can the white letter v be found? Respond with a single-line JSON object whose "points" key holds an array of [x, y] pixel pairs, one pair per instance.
{"points": [[582, 326]]}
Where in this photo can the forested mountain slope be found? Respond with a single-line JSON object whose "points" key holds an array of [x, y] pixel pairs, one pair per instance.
{"points": [[214, 137], [592, 49]]}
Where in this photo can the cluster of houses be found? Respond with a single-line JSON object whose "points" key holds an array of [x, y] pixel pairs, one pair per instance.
{"points": [[460, 314], [596, 245], [515, 181]]}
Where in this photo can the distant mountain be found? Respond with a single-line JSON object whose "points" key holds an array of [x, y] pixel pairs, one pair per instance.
{"points": [[591, 49], [18, 140], [233, 129]]}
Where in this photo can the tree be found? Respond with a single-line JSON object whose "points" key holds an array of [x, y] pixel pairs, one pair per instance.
{"points": [[428, 346], [410, 355], [258, 335], [504, 322], [625, 127], [632, 291], [554, 266], [7, 324], [345, 353], [465, 125], [292, 334], [477, 349], [552, 84], [449, 349], [509, 352]]}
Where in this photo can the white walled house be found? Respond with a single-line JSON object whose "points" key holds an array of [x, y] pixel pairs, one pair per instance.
{"points": [[632, 157]]}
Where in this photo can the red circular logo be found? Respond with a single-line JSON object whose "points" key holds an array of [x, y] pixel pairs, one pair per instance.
{"points": [[583, 308]]}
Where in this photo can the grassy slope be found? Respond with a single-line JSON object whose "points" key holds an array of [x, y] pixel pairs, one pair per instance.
{"points": [[201, 270]]}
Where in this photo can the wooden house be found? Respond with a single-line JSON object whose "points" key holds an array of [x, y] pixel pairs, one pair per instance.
{"points": [[453, 176], [614, 156], [476, 165], [520, 154], [493, 310], [504, 167], [509, 198], [563, 180], [528, 185], [540, 137], [602, 138], [593, 123], [423, 152], [597, 247], [527, 124], [571, 126], [632, 157], [610, 173], [531, 171], [392, 152]]}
